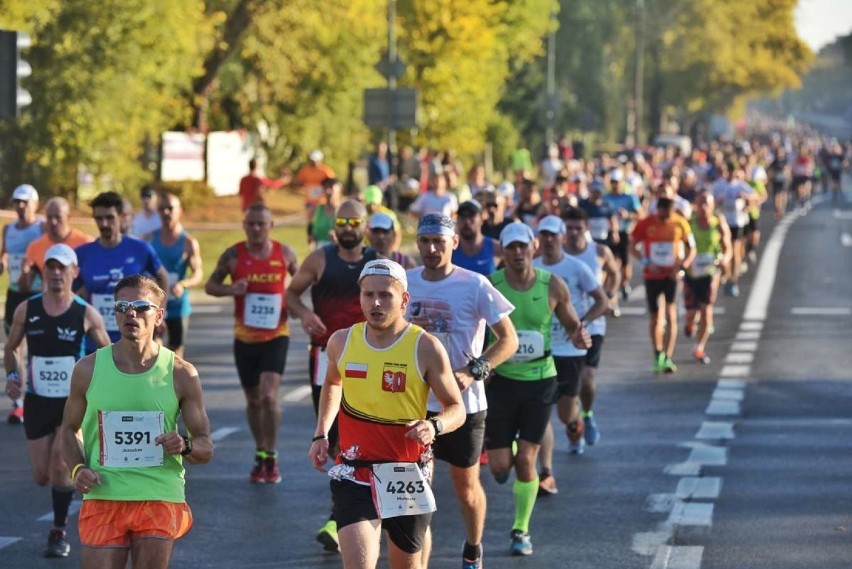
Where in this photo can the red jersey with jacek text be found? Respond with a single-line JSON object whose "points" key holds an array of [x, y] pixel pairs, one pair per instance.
{"points": [[261, 314]]}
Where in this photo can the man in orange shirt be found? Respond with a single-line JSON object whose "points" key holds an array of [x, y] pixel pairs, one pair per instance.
{"points": [[310, 177], [253, 186], [58, 231], [664, 244]]}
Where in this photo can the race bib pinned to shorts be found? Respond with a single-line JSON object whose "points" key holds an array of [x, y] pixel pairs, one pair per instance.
{"points": [[321, 367], [16, 263], [401, 489], [662, 254], [530, 346], [262, 311], [127, 438], [703, 265], [173, 280], [599, 227], [52, 375], [105, 305]]}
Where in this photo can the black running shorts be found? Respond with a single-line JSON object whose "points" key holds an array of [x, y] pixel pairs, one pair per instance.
{"points": [[254, 359], [462, 447], [517, 408], [177, 329], [568, 370], [593, 354], [698, 292], [655, 287], [42, 415]]}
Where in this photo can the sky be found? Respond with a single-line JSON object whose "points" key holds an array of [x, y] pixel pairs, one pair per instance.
{"points": [[820, 22]]}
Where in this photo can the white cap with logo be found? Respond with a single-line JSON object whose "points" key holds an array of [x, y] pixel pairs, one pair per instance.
{"points": [[385, 268], [62, 253], [316, 156], [516, 232], [381, 220], [25, 192], [551, 224]]}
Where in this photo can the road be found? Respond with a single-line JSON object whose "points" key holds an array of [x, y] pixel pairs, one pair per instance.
{"points": [[741, 463]]}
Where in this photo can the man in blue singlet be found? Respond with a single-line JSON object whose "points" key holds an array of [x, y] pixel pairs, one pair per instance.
{"points": [[475, 252], [178, 251]]}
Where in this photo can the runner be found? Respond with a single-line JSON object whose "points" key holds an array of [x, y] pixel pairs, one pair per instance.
{"points": [[178, 251], [475, 251], [133, 510], [254, 187], [383, 234], [310, 177], [522, 391], [803, 168], [701, 282], [600, 260], [58, 230], [54, 324], [734, 196], [104, 262], [603, 224], [455, 305], [589, 302], [146, 220], [629, 210], [331, 273], [258, 268], [321, 227], [379, 377], [17, 236], [656, 242], [494, 211]]}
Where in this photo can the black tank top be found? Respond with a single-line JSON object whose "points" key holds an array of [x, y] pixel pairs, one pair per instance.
{"points": [[336, 296], [54, 336]]}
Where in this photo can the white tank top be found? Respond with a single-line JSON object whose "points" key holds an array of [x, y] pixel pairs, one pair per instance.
{"points": [[589, 256]]}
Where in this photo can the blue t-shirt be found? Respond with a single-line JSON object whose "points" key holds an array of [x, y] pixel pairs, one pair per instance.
{"points": [[102, 268], [482, 263], [627, 202], [175, 262], [599, 219]]}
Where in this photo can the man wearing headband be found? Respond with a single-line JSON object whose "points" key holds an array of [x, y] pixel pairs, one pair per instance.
{"points": [[455, 305], [331, 272], [664, 244], [379, 377], [126, 399], [54, 324]]}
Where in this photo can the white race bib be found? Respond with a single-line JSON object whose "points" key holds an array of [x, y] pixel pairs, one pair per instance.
{"points": [[662, 254], [315, 192], [321, 368], [703, 265], [105, 304], [173, 280], [530, 346], [16, 263], [599, 227], [52, 375], [262, 311], [127, 438], [400, 489]]}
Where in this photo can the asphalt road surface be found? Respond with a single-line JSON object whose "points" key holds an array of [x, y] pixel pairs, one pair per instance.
{"points": [[743, 463]]}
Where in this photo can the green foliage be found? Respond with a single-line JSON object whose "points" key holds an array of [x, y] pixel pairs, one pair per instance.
{"points": [[190, 194]]}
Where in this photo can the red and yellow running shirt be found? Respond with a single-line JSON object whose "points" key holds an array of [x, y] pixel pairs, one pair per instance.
{"points": [[261, 314], [383, 390], [661, 241]]}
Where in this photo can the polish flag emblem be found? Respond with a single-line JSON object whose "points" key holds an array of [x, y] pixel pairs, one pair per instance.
{"points": [[355, 370]]}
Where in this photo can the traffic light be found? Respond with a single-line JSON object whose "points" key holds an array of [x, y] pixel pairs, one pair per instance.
{"points": [[12, 70]]}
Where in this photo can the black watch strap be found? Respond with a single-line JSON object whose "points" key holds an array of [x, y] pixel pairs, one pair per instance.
{"points": [[187, 442]]}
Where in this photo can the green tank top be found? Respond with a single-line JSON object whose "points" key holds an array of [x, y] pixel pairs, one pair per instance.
{"points": [[708, 247], [124, 413], [321, 225], [531, 317]]}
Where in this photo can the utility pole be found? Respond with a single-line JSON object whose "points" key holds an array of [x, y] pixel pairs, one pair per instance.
{"points": [[550, 109], [392, 153], [639, 74]]}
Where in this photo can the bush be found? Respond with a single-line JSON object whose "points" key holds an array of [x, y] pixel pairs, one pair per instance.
{"points": [[191, 194]]}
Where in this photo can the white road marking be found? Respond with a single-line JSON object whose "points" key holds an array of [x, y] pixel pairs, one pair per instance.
{"points": [[748, 335], [633, 311], [735, 371], [761, 290], [707, 455], [683, 469], [739, 358], [743, 346], [821, 311], [223, 432], [7, 541], [752, 326], [722, 407], [298, 394], [678, 557], [72, 509], [647, 543], [728, 394], [208, 308], [694, 488], [841, 214], [691, 514], [659, 503], [715, 431], [846, 239], [731, 383]]}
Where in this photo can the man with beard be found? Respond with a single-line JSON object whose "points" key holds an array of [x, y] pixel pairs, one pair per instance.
{"points": [[475, 251], [258, 268], [331, 272], [112, 257]]}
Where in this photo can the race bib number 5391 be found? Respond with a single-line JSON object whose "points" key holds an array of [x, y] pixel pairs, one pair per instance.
{"points": [[127, 438]]}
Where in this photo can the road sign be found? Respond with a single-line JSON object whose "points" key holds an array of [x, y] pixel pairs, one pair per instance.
{"points": [[396, 109], [12, 69], [390, 69]]}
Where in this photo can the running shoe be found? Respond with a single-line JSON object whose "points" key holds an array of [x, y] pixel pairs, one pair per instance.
{"points": [[16, 417], [689, 328], [615, 311], [735, 290], [669, 366], [521, 544], [576, 443], [701, 357], [659, 363], [327, 536], [270, 470], [752, 256], [472, 563], [547, 485], [258, 471], [57, 545], [625, 291], [591, 433]]}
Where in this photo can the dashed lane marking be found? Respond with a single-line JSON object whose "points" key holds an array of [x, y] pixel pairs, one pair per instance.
{"points": [[731, 383], [735, 371], [723, 408], [695, 488], [821, 311], [739, 358], [208, 308], [7, 541], [846, 239], [297, 394], [715, 431], [678, 557], [752, 326], [738, 346], [223, 432], [728, 394], [747, 336], [72, 509]]}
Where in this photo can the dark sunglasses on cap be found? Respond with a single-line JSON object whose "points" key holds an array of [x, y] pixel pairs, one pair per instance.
{"points": [[138, 306], [350, 221]]}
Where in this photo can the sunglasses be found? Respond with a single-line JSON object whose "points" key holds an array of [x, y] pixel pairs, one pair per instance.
{"points": [[350, 221], [138, 306]]}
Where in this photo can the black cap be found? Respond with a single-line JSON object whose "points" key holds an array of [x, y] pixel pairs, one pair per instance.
{"points": [[470, 207], [147, 192]]}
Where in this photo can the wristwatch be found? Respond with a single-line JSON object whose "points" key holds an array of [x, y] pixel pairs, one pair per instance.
{"points": [[480, 368], [439, 426], [187, 442]]}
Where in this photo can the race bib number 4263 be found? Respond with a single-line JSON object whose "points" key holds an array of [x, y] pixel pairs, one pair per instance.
{"points": [[400, 489], [127, 438]]}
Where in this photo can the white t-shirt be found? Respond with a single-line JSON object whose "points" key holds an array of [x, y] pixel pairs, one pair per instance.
{"points": [[431, 203], [456, 310], [729, 197], [680, 204], [581, 283], [143, 224], [589, 257]]}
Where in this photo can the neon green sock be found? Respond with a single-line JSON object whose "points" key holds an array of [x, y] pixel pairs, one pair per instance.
{"points": [[525, 494], [586, 414]]}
